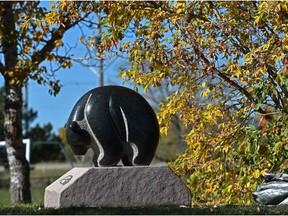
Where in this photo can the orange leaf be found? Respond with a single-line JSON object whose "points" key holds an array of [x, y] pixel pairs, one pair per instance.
{"points": [[115, 43], [248, 83], [230, 84], [262, 121]]}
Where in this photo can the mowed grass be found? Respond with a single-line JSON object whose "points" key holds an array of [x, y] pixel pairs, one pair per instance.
{"points": [[40, 179], [199, 210], [37, 196]]}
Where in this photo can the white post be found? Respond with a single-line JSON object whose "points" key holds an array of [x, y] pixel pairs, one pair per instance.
{"points": [[28, 148]]}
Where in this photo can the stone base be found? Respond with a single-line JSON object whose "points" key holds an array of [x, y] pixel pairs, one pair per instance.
{"points": [[138, 186]]}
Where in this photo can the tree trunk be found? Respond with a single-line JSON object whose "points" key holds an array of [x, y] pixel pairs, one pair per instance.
{"points": [[19, 166]]}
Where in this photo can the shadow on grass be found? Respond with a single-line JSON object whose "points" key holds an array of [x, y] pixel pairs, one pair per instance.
{"points": [[220, 210]]}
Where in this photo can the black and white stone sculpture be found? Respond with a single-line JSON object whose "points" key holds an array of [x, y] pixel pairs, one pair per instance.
{"points": [[117, 123]]}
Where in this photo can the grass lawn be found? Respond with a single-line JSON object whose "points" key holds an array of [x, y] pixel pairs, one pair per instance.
{"points": [[39, 180], [204, 210], [37, 196]]}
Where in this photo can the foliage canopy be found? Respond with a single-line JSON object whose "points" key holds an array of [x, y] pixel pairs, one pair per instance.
{"points": [[227, 65]]}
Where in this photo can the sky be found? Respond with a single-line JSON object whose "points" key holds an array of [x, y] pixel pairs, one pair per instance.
{"points": [[76, 81]]}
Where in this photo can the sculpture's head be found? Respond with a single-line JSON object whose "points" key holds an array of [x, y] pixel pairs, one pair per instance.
{"points": [[78, 138], [76, 129]]}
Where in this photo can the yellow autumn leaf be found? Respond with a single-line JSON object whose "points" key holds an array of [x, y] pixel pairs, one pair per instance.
{"points": [[205, 92], [58, 43], [256, 174], [229, 188]]}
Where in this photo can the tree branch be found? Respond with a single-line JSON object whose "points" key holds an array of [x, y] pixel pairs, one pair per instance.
{"points": [[9, 42], [208, 64], [58, 34], [2, 68]]}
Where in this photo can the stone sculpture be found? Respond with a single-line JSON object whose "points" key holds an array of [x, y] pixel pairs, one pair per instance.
{"points": [[117, 123]]}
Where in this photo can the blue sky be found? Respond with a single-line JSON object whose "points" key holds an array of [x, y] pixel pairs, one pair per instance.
{"points": [[76, 81]]}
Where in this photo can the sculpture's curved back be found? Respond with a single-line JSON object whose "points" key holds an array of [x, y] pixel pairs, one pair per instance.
{"points": [[117, 123]]}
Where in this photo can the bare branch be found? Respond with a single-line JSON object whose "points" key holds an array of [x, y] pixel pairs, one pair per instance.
{"points": [[2, 68]]}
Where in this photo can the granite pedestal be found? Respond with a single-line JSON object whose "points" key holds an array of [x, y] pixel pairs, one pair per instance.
{"points": [[137, 186]]}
